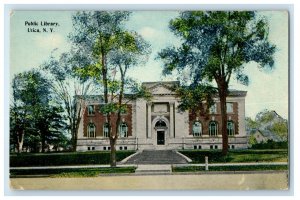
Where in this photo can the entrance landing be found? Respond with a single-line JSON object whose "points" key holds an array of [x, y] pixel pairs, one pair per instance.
{"points": [[148, 157]]}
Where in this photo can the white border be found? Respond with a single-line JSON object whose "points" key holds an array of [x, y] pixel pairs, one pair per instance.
{"points": [[293, 83]]}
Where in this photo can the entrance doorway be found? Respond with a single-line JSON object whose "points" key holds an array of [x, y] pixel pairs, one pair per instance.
{"points": [[160, 137]]}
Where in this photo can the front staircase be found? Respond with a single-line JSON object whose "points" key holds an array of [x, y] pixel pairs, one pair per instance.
{"points": [[155, 157], [156, 161]]}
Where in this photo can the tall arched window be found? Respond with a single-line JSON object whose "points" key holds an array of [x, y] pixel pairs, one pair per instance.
{"points": [[105, 130], [123, 128], [230, 128], [213, 128], [91, 130], [197, 129]]}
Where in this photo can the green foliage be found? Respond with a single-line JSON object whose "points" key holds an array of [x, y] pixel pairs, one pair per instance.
{"points": [[280, 129], [267, 120], [252, 140], [69, 172], [58, 159], [193, 96], [270, 144], [237, 156], [34, 117], [215, 46], [230, 168]]}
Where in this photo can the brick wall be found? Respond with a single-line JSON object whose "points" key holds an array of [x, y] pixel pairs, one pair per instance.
{"points": [[205, 119], [98, 119]]}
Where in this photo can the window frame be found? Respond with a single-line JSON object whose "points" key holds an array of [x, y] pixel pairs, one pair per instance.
{"points": [[106, 134], [89, 131], [213, 109], [93, 111], [193, 132], [125, 135], [215, 133], [231, 132], [229, 103]]}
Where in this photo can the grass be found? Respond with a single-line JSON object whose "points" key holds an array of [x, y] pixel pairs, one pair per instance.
{"points": [[198, 156], [67, 172], [230, 168]]}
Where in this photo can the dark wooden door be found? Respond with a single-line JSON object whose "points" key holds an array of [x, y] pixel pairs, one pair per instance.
{"points": [[160, 137]]}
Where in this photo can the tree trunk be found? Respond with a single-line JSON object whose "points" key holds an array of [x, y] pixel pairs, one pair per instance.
{"points": [[113, 160], [20, 141], [43, 142], [112, 138], [222, 88]]}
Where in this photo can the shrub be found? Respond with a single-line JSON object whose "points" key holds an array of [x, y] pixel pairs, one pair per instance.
{"points": [[72, 158], [270, 144]]}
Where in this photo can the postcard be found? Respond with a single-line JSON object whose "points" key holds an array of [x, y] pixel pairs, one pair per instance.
{"points": [[149, 100]]}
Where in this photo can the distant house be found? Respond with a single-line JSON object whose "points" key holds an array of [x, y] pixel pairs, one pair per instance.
{"points": [[158, 124], [259, 136], [268, 124]]}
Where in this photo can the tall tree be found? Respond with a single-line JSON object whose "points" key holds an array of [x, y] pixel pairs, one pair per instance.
{"points": [[69, 89], [215, 46], [93, 38], [130, 50], [32, 113], [117, 53]]}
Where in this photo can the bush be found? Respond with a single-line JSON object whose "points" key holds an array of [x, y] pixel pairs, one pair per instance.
{"points": [[270, 144], [233, 156], [230, 168], [70, 172], [72, 158]]}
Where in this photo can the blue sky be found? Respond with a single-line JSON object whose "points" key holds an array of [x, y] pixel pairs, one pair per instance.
{"points": [[265, 91]]}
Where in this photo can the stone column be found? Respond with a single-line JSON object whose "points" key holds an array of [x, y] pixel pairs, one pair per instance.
{"points": [[149, 120], [172, 135]]}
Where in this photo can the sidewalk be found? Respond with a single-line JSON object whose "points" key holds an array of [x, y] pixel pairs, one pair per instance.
{"points": [[253, 181], [136, 165]]}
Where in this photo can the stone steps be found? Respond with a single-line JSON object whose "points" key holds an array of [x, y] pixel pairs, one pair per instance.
{"points": [[157, 157]]}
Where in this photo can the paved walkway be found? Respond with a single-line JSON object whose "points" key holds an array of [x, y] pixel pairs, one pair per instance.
{"points": [[254, 181]]}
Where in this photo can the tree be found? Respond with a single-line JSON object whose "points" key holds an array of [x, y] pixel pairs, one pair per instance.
{"points": [[130, 50], [217, 45], [110, 50], [92, 39], [34, 120], [69, 89]]}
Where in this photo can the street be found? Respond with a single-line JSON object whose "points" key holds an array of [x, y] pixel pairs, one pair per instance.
{"points": [[212, 181]]}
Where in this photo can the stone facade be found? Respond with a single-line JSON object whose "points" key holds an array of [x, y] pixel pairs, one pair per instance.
{"points": [[158, 124]]}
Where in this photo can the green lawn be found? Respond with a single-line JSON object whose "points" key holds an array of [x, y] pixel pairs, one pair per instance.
{"points": [[230, 168], [69, 158], [214, 156], [78, 172]]}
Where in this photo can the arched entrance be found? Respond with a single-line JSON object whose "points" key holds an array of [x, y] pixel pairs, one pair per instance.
{"points": [[160, 127]]}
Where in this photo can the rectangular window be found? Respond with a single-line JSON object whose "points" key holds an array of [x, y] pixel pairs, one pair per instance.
{"points": [[213, 109], [232, 146], [199, 147], [195, 147], [93, 148], [229, 107], [216, 146], [121, 148], [125, 148], [108, 148], [89, 148], [104, 148], [211, 147], [91, 110]]}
